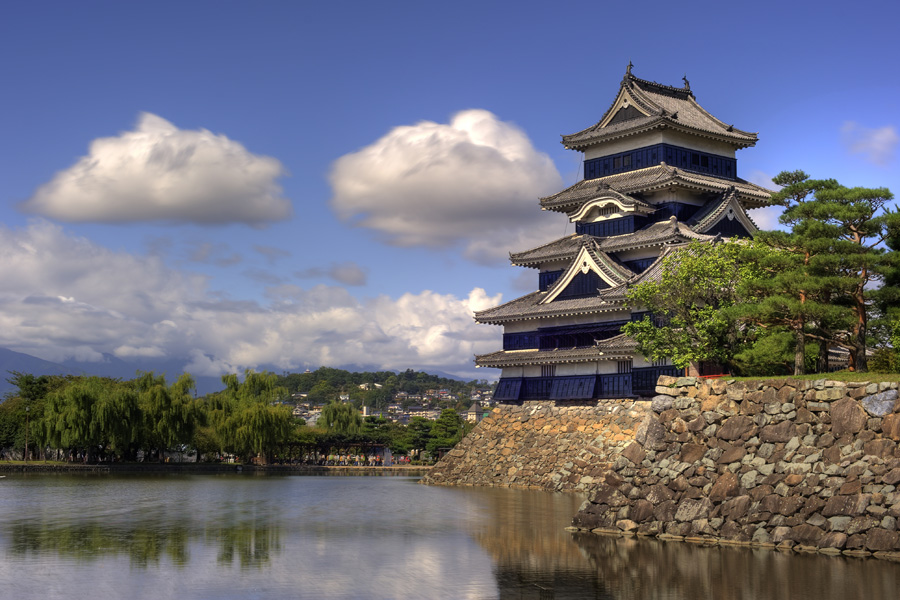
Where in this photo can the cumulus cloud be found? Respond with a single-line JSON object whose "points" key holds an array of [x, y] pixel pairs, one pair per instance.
{"points": [[348, 273], [877, 146], [161, 173], [473, 182], [65, 297]]}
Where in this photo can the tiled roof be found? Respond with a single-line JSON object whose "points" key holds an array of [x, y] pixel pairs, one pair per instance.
{"points": [[610, 267], [713, 211], [666, 107], [610, 349], [561, 249], [529, 307], [653, 178], [655, 234], [619, 344]]}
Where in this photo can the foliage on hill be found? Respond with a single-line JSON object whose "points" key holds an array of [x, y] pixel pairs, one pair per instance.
{"points": [[326, 384], [95, 417]]}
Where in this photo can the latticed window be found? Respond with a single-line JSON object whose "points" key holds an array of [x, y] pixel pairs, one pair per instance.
{"points": [[624, 366], [663, 362], [548, 370]]}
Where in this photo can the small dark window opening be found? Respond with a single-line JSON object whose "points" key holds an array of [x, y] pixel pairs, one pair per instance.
{"points": [[617, 162], [626, 160], [695, 159], [704, 161]]}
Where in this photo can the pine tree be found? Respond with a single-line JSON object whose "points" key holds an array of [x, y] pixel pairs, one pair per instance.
{"points": [[823, 270]]}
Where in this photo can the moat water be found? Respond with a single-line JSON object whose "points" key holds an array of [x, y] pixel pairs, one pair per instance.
{"points": [[264, 537]]}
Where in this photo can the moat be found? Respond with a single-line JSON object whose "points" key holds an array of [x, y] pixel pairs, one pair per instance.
{"points": [[276, 536]]}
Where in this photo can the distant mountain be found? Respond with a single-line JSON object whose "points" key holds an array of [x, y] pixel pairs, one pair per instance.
{"points": [[115, 367], [110, 366], [17, 362]]}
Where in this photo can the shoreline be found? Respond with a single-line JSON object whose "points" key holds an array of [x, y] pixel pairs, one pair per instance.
{"points": [[200, 468]]}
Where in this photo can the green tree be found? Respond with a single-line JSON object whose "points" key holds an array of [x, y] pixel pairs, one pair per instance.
{"points": [[252, 419], [170, 415], [338, 417], [833, 258], [91, 414], [446, 431], [687, 320]]}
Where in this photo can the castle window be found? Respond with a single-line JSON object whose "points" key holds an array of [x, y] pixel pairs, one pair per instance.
{"points": [[548, 370], [624, 366]]}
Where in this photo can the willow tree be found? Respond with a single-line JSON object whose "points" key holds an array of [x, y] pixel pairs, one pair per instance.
{"points": [[253, 420], [170, 414], [338, 417], [90, 414]]}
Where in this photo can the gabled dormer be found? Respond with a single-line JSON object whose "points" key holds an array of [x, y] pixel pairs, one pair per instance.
{"points": [[649, 123], [591, 270]]}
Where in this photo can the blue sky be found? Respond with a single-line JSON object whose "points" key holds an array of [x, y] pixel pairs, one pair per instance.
{"points": [[297, 184]]}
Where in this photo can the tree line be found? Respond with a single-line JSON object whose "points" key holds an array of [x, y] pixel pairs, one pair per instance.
{"points": [[781, 302], [326, 383], [99, 418]]}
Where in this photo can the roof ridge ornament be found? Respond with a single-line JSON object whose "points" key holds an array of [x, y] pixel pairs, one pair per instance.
{"points": [[628, 68], [687, 84]]}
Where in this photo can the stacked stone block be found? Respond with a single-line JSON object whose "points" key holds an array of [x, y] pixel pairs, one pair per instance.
{"points": [[807, 465], [542, 445]]}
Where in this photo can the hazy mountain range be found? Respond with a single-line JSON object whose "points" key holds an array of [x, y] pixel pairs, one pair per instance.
{"points": [[112, 366]]}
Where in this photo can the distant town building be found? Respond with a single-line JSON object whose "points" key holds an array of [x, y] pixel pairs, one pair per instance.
{"points": [[659, 171]]}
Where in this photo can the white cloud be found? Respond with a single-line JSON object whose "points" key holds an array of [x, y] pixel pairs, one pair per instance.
{"points": [[474, 182], [161, 173], [878, 146], [66, 297], [347, 273]]}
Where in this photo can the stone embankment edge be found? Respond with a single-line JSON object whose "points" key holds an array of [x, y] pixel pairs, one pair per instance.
{"points": [[807, 466], [193, 468]]}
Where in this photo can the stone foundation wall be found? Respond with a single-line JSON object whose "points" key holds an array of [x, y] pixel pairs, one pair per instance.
{"points": [[807, 465], [542, 445]]}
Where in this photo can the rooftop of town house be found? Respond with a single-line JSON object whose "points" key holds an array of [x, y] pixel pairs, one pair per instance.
{"points": [[642, 106]]}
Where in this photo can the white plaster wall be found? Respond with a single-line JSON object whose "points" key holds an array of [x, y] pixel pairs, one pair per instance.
{"points": [[639, 362], [532, 371], [665, 136], [520, 326], [589, 368], [607, 366], [511, 372]]}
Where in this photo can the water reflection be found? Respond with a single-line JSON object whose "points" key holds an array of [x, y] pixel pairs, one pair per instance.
{"points": [[234, 536], [644, 568]]}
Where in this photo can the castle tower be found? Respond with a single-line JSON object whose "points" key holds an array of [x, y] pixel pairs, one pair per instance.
{"points": [[659, 171]]}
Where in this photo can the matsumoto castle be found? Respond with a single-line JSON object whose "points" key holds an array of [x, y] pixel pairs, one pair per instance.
{"points": [[659, 171]]}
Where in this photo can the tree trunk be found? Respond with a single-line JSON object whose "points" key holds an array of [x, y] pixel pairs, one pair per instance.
{"points": [[822, 360], [800, 354]]}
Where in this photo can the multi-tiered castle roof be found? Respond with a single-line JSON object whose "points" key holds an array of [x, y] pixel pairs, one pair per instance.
{"points": [[659, 171]]}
